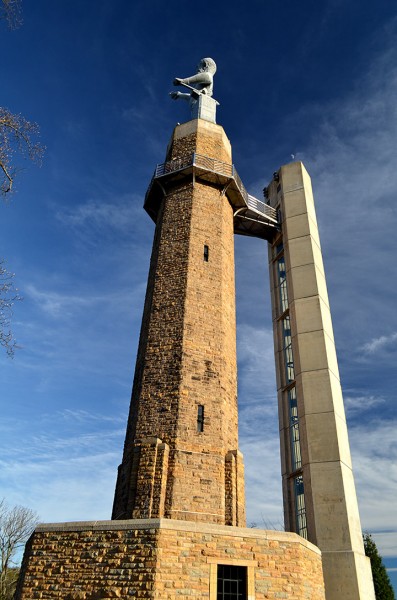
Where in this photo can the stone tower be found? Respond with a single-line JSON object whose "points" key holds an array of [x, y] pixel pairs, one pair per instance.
{"points": [[181, 457]]}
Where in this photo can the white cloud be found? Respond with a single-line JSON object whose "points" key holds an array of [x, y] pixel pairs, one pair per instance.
{"points": [[65, 490], [56, 304], [135, 114], [255, 354], [83, 416], [380, 343], [351, 157], [258, 426], [68, 468], [99, 214], [374, 454], [354, 404], [386, 543], [62, 304], [263, 480]]}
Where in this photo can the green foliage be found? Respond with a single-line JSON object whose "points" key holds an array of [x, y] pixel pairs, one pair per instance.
{"points": [[9, 584], [383, 587]]}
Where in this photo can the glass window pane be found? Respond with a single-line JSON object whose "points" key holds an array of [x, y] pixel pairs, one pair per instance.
{"points": [[296, 457], [300, 507], [232, 583], [282, 282], [288, 356]]}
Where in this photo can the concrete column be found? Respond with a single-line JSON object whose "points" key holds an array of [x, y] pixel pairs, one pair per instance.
{"points": [[319, 494]]}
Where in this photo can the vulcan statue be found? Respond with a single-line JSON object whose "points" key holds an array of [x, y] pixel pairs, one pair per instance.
{"points": [[200, 87]]}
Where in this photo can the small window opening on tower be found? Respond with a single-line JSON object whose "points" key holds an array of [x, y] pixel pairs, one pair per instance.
{"points": [[206, 253], [200, 418]]}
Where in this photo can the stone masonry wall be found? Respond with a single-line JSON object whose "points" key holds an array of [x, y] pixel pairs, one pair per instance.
{"points": [[85, 564], [164, 560], [187, 356]]}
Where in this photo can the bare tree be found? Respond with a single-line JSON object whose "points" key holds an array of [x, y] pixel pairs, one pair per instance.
{"points": [[11, 11], [8, 295], [16, 525], [17, 135]]}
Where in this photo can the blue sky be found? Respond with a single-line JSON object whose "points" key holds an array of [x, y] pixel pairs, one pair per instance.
{"points": [[316, 80]]}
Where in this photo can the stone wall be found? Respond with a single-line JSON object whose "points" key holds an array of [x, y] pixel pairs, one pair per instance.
{"points": [[187, 356], [164, 560]]}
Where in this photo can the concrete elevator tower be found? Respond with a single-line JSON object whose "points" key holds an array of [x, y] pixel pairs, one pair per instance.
{"points": [[178, 528], [318, 488]]}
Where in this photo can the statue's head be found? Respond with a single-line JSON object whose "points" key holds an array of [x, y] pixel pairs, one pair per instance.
{"points": [[207, 64]]}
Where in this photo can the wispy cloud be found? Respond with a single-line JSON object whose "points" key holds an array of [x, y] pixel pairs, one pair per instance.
{"points": [[83, 416], [387, 541], [255, 355], [55, 303], [99, 214], [71, 469], [258, 425], [374, 454], [262, 479], [380, 343], [354, 404], [135, 114]]}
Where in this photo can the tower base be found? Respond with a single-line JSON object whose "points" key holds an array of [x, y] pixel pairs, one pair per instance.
{"points": [[165, 559]]}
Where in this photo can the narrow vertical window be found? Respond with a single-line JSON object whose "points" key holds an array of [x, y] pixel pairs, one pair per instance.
{"points": [[300, 508], [283, 284], [206, 253], [289, 360], [296, 457], [200, 418]]}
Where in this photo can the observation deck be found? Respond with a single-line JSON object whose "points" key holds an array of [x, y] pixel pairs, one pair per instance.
{"points": [[252, 217]]}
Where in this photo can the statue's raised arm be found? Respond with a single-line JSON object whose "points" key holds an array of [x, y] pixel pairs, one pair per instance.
{"points": [[201, 86]]}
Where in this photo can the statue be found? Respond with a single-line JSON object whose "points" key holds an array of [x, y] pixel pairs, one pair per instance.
{"points": [[201, 103]]}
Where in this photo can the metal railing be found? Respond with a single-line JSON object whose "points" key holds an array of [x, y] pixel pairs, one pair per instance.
{"points": [[216, 166], [173, 165], [262, 207]]}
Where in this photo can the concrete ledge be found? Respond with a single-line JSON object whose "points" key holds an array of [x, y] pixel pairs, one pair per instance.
{"points": [[176, 525]]}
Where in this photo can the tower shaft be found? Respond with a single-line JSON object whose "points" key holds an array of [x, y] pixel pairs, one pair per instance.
{"points": [[181, 457], [319, 494]]}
